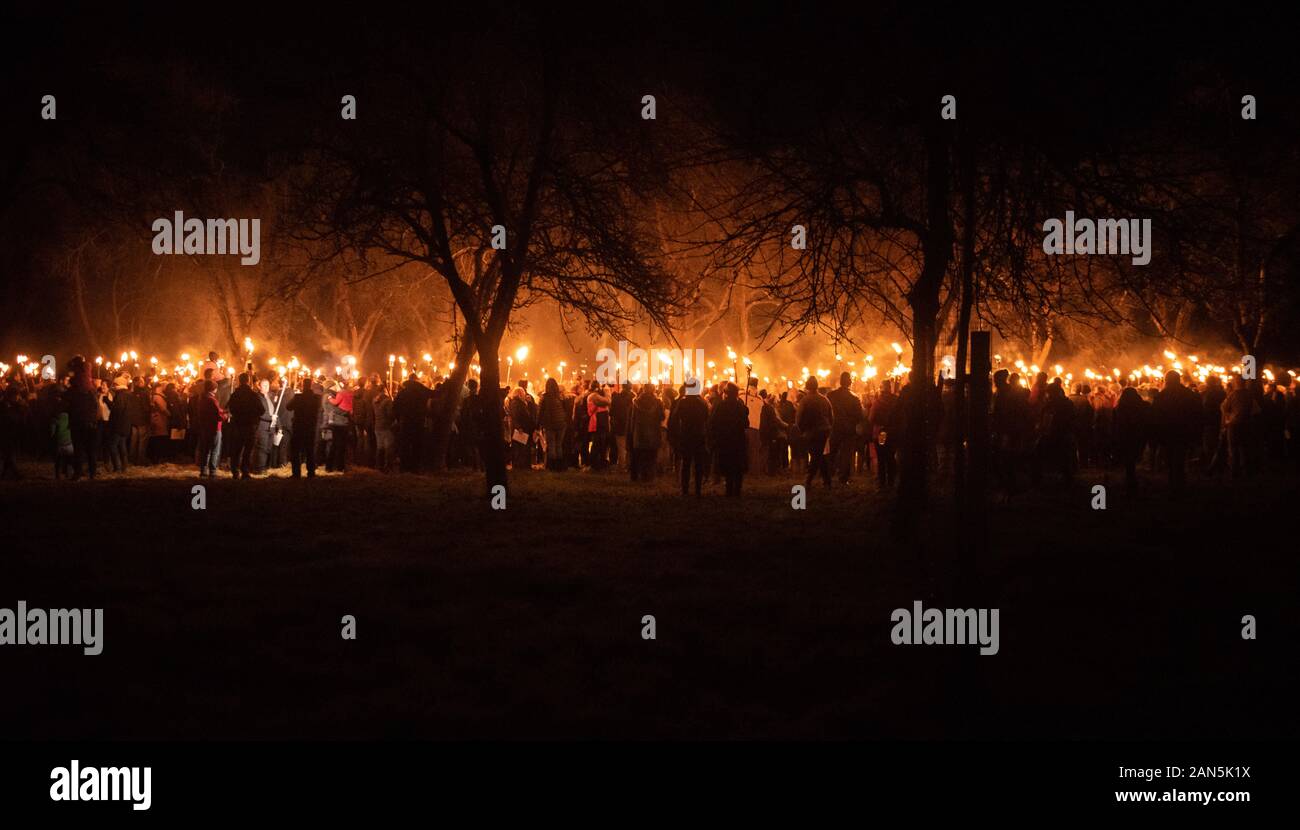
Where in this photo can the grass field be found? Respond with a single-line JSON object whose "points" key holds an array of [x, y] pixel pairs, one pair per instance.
{"points": [[771, 622]]}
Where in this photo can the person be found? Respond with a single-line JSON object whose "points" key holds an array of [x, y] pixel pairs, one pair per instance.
{"points": [[119, 424], [1272, 422], [1085, 424], [192, 408], [212, 369], [620, 407], [341, 404], [1001, 431], [598, 404], [643, 433], [688, 432], [208, 429], [140, 420], [793, 447], [363, 417], [410, 405], [521, 429], [886, 433], [753, 403], [284, 422], [61, 434], [727, 424], [13, 418], [814, 418], [267, 426], [246, 412], [384, 421], [846, 414], [772, 434], [159, 424], [1238, 412], [103, 409], [1055, 433], [1211, 418], [1178, 417], [1293, 424], [305, 406], [83, 422], [469, 424], [1129, 426], [554, 420], [581, 420], [177, 423]]}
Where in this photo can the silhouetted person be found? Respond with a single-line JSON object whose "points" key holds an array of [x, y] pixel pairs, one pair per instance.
{"points": [[1130, 425], [727, 425], [1055, 434], [246, 410], [644, 433], [688, 432], [208, 428], [846, 412], [1177, 415], [886, 433], [814, 416], [772, 434], [305, 407], [410, 405], [620, 408]]}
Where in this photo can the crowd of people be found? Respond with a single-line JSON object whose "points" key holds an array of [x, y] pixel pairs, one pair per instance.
{"points": [[248, 425]]}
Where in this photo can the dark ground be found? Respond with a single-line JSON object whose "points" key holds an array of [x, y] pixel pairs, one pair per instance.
{"points": [[225, 623]]}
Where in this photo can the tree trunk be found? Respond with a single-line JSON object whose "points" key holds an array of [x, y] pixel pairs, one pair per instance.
{"points": [[975, 521], [449, 407], [80, 295], [924, 301], [492, 448], [1042, 351], [963, 325]]}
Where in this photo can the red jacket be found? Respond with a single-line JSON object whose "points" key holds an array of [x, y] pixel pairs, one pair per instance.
{"points": [[343, 400], [210, 415]]}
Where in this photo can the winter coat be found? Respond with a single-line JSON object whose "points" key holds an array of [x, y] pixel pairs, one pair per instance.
{"points": [[382, 409], [411, 405], [305, 407], [210, 416], [553, 414], [120, 413], [846, 411], [814, 413], [886, 417], [597, 411], [1178, 416], [620, 407], [727, 424], [246, 408], [688, 425], [643, 425], [521, 418], [159, 416], [770, 425]]}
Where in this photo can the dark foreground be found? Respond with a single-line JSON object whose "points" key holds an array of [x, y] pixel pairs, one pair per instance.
{"points": [[225, 623]]}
